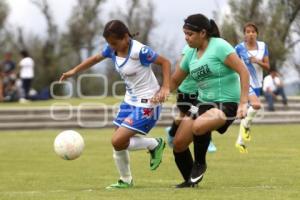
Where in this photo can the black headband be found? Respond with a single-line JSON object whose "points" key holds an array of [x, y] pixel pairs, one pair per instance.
{"points": [[191, 27]]}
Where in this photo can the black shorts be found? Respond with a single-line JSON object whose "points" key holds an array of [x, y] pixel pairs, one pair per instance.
{"points": [[185, 101], [228, 108]]}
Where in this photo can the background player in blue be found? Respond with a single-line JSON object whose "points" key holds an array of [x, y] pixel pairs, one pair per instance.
{"points": [[256, 57], [141, 107]]}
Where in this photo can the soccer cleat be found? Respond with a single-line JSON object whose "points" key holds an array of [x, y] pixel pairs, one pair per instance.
{"points": [[169, 137], [211, 148], [197, 174], [120, 185], [241, 147], [186, 184], [156, 154], [245, 132]]}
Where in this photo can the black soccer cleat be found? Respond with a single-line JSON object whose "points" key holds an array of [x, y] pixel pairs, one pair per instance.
{"points": [[186, 184], [197, 174]]}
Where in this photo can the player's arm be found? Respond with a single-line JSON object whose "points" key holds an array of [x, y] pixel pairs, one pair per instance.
{"points": [[235, 63], [177, 77], [82, 66], [164, 91], [264, 63], [166, 70]]}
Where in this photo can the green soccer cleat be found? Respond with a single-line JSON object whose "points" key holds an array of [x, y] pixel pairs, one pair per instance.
{"points": [[241, 147], [156, 154], [120, 185], [245, 132]]}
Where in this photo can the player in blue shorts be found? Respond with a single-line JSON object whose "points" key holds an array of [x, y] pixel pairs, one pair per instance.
{"points": [[141, 106], [255, 56]]}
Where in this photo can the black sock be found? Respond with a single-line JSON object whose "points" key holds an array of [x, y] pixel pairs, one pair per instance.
{"points": [[201, 144], [184, 162], [173, 129]]}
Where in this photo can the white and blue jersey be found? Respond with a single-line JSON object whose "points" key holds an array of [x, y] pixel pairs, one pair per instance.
{"points": [[136, 112], [255, 70]]}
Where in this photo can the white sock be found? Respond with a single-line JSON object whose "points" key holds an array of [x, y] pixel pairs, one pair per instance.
{"points": [[138, 143], [251, 113], [240, 139], [122, 163]]}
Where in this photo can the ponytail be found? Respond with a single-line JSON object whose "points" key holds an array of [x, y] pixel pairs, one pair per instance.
{"points": [[213, 30]]}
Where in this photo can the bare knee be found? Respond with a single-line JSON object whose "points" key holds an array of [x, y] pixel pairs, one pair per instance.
{"points": [[117, 144], [179, 146], [196, 128], [256, 106]]}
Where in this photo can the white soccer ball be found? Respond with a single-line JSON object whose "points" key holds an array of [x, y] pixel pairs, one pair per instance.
{"points": [[69, 145]]}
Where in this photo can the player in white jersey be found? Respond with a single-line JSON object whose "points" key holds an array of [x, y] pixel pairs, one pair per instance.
{"points": [[141, 106], [255, 55]]}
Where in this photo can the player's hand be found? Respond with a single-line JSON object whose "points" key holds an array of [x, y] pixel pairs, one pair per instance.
{"points": [[161, 95], [242, 110], [253, 60], [66, 75]]}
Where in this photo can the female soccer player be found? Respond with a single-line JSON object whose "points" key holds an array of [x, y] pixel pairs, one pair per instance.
{"points": [[141, 106], [223, 83], [255, 55], [186, 96]]}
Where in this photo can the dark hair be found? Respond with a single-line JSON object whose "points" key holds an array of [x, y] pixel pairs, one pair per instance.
{"points": [[248, 24], [24, 53], [116, 29], [272, 69], [198, 22]]}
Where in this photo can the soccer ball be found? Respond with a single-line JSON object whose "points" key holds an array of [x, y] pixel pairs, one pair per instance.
{"points": [[68, 145]]}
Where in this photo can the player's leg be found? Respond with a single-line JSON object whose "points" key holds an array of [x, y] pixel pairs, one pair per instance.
{"points": [[211, 147], [142, 120], [183, 103], [182, 154], [171, 130], [120, 142], [253, 109], [219, 118], [212, 119]]}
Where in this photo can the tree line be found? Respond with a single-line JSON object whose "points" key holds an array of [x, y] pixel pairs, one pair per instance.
{"points": [[277, 20]]}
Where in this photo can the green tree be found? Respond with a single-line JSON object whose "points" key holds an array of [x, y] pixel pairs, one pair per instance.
{"points": [[4, 11], [46, 50], [277, 22]]}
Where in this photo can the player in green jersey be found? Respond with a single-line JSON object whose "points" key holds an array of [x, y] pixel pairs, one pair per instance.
{"points": [[223, 84]]}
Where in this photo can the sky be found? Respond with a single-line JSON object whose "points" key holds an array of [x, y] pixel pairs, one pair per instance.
{"points": [[169, 14]]}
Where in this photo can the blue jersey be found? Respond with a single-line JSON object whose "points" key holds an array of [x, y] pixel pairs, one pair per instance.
{"points": [[255, 70]]}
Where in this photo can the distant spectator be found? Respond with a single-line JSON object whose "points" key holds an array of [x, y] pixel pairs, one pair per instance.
{"points": [[11, 90], [26, 73], [8, 74], [8, 66], [273, 86]]}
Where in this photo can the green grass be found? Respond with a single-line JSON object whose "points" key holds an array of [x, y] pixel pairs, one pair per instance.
{"points": [[29, 168]]}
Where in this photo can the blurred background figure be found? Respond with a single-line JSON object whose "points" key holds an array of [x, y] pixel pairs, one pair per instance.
{"points": [[26, 74], [272, 87], [8, 90]]}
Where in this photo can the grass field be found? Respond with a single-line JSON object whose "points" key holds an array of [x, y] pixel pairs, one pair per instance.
{"points": [[29, 168]]}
